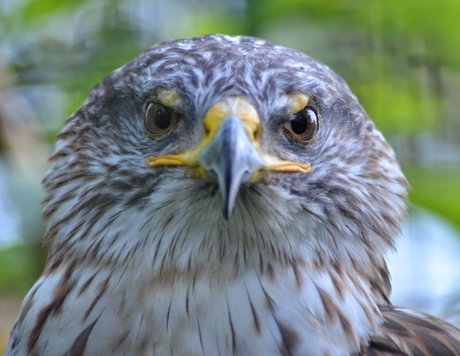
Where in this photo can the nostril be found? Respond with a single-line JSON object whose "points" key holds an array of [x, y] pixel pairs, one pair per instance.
{"points": [[257, 134]]}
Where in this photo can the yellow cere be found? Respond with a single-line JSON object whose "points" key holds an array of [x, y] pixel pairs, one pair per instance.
{"points": [[237, 107]]}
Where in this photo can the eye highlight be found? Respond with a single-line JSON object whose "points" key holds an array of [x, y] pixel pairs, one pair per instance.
{"points": [[159, 119], [304, 126]]}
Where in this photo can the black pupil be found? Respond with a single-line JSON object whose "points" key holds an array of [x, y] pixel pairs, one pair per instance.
{"points": [[162, 117], [300, 123]]}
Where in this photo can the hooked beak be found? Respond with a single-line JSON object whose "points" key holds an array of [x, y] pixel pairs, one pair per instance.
{"points": [[230, 159], [230, 153]]}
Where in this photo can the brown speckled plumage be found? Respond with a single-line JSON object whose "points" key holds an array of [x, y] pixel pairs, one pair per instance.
{"points": [[143, 261]]}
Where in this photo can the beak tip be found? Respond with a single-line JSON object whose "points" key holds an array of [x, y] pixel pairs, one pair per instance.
{"points": [[227, 215], [228, 210]]}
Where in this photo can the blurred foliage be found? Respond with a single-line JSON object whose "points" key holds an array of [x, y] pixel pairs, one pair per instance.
{"points": [[401, 58], [437, 190], [20, 267]]}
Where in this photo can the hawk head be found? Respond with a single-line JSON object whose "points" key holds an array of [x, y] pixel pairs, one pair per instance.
{"points": [[224, 159], [229, 143]]}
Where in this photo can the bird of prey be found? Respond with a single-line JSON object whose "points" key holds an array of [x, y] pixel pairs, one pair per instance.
{"points": [[222, 196]]}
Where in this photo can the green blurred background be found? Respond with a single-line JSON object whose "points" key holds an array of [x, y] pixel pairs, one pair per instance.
{"points": [[401, 58]]}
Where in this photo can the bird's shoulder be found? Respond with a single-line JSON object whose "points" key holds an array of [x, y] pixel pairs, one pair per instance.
{"points": [[407, 332]]}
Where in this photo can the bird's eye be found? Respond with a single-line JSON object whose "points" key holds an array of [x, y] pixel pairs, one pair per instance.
{"points": [[304, 126], [159, 119]]}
